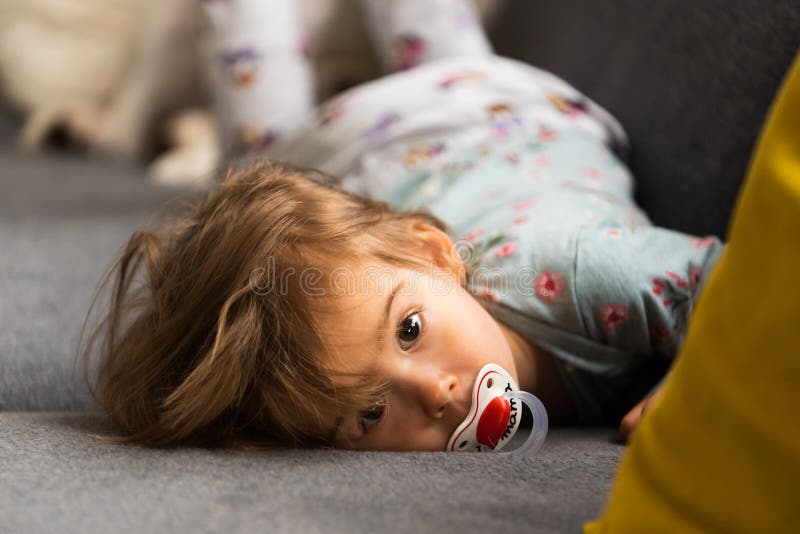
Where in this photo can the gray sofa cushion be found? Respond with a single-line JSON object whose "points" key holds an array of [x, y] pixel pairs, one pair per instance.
{"points": [[55, 477], [690, 81], [61, 221]]}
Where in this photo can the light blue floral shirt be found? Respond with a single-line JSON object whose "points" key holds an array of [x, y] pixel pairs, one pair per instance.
{"points": [[527, 173]]}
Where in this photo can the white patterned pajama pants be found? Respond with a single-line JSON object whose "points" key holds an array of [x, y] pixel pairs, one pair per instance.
{"points": [[259, 58]]}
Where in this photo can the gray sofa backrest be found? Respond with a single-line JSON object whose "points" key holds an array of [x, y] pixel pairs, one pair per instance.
{"points": [[691, 82]]}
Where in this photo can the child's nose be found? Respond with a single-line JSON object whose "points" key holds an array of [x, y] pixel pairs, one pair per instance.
{"points": [[437, 392]]}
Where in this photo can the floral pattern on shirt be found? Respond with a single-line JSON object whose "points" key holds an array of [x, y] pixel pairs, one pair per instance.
{"points": [[549, 286], [676, 293], [612, 315]]}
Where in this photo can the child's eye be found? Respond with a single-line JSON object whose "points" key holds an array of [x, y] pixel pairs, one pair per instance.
{"points": [[372, 417], [409, 330]]}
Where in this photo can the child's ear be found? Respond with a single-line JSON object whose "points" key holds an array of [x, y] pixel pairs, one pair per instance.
{"points": [[434, 237], [440, 244]]}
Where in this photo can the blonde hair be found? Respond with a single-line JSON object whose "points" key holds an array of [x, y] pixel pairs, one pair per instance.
{"points": [[191, 352]]}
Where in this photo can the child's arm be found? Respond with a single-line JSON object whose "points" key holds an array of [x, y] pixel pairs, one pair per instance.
{"points": [[637, 289], [632, 419]]}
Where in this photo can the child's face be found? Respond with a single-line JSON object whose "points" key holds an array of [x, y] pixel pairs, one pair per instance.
{"points": [[445, 337]]}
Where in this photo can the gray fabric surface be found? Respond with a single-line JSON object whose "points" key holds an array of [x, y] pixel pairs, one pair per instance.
{"points": [[62, 219], [54, 477], [690, 81]]}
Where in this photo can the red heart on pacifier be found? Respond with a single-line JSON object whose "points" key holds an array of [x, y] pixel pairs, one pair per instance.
{"points": [[493, 422]]}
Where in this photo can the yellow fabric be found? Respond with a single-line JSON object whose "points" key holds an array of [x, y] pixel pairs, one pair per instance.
{"points": [[720, 452]]}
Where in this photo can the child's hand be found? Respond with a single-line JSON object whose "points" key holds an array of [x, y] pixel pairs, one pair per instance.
{"points": [[632, 419]]}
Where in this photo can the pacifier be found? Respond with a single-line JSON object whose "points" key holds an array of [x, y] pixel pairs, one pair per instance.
{"points": [[495, 415]]}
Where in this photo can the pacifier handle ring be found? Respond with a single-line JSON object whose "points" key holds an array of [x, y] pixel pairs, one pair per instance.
{"points": [[539, 431]]}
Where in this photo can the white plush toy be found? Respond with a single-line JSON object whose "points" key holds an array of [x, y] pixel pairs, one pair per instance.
{"points": [[118, 74]]}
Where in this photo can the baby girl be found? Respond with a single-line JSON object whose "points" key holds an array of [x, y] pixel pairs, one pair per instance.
{"points": [[468, 209]]}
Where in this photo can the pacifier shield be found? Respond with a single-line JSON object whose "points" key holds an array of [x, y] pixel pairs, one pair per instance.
{"points": [[492, 420]]}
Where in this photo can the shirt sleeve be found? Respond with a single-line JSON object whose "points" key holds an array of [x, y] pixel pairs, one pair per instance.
{"points": [[637, 288]]}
